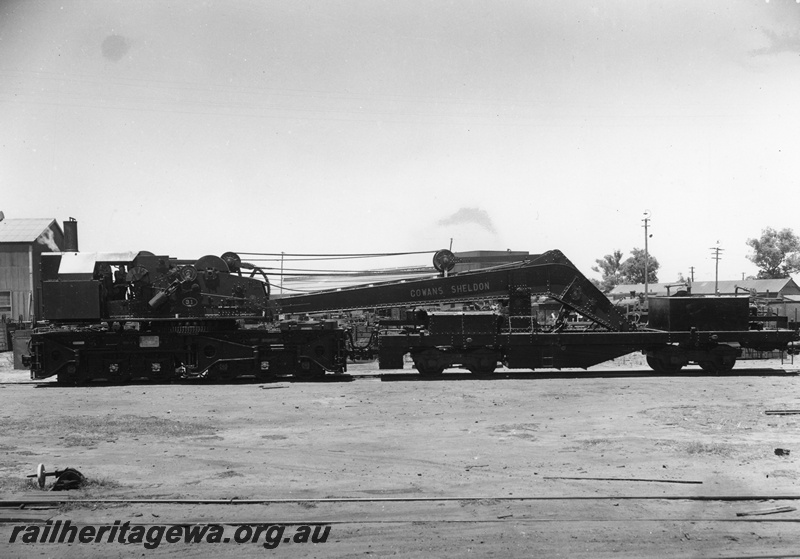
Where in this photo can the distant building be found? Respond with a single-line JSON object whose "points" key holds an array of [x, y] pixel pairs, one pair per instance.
{"points": [[22, 242], [766, 288]]}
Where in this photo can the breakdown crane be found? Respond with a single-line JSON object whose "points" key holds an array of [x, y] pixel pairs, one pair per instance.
{"points": [[140, 316]]}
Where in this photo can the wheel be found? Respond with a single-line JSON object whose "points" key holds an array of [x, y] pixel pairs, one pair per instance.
{"points": [[211, 262], [717, 366], [430, 370], [232, 260], [708, 366], [429, 363], [662, 366], [482, 370], [484, 362], [721, 359], [308, 370]]}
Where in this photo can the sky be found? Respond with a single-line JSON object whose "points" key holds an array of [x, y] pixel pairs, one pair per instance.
{"points": [[198, 127]]}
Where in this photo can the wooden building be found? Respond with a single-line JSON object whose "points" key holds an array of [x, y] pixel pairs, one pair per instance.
{"points": [[22, 241]]}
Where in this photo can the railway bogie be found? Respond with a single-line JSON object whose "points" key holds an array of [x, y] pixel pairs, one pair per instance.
{"points": [[79, 356]]}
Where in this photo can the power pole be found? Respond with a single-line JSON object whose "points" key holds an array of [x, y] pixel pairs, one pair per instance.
{"points": [[716, 256], [646, 255]]}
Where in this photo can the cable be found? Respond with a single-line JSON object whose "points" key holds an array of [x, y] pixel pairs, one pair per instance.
{"points": [[323, 272], [301, 256]]}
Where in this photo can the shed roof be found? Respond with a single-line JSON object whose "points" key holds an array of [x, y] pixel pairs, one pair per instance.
{"points": [[24, 230], [707, 287], [728, 286]]}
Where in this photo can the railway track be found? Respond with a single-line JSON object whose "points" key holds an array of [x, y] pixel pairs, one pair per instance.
{"points": [[457, 375]]}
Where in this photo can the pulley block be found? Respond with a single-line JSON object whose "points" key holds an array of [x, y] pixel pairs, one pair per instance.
{"points": [[444, 260]]}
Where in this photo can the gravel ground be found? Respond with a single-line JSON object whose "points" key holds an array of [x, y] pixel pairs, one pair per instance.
{"points": [[544, 464]]}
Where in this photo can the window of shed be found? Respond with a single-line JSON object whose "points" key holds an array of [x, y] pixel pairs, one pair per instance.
{"points": [[5, 302]]}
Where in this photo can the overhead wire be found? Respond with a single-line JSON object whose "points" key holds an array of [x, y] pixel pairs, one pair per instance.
{"points": [[321, 272], [343, 273], [301, 274], [332, 256]]}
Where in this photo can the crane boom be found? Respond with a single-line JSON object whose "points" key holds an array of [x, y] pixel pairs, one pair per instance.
{"points": [[550, 274]]}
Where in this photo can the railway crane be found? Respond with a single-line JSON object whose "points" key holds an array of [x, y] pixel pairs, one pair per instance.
{"points": [[141, 316]]}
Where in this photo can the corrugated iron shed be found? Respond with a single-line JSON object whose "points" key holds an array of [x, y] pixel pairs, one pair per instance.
{"points": [[774, 287], [25, 230]]}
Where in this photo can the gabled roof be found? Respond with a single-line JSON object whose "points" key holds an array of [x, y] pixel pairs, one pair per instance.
{"points": [[727, 286], [25, 230], [773, 286]]}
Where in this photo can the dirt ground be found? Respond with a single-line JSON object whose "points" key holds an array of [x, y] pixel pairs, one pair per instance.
{"points": [[454, 467]]}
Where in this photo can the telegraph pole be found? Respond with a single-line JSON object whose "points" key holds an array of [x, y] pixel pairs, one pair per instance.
{"points": [[646, 255], [716, 256], [281, 272]]}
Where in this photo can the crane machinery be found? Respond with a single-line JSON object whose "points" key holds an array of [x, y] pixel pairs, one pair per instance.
{"points": [[140, 316]]}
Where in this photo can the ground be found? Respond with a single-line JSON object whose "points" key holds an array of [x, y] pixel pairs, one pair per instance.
{"points": [[442, 468]]}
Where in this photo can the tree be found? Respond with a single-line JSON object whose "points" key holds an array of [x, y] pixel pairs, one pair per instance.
{"points": [[776, 253], [632, 270], [609, 266], [616, 271]]}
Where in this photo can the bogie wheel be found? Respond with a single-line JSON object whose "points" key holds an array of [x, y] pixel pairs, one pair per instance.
{"points": [[717, 365], [308, 370], [662, 366], [708, 366], [481, 369], [727, 367], [720, 359], [429, 363], [483, 363]]}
